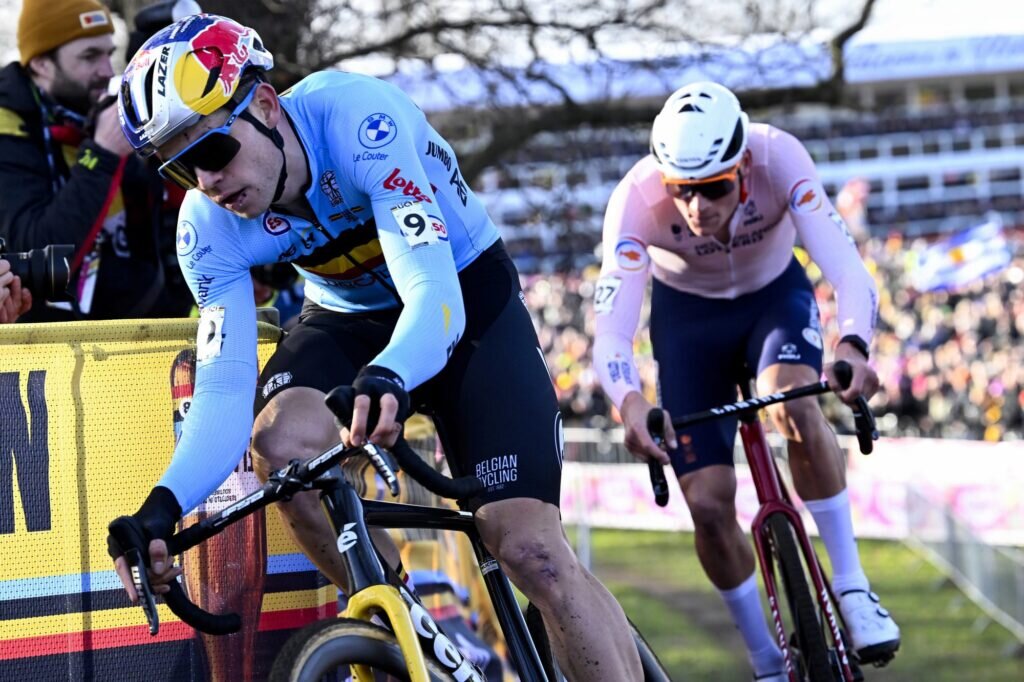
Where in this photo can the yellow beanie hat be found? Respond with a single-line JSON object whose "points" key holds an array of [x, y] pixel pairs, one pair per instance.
{"points": [[48, 24]]}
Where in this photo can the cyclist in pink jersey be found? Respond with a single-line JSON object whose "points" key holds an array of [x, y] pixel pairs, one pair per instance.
{"points": [[713, 214]]}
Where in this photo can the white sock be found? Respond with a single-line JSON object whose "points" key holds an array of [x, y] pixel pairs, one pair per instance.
{"points": [[832, 516], [744, 603]]}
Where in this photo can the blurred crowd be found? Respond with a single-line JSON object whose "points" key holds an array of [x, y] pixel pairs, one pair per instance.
{"points": [[951, 364]]}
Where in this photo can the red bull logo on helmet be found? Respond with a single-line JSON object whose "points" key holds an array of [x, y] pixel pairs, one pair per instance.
{"points": [[220, 48], [207, 74]]}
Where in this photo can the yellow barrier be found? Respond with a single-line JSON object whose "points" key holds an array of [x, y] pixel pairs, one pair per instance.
{"points": [[86, 429]]}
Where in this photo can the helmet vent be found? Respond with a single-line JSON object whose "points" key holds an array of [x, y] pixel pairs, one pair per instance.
{"points": [[735, 143], [129, 111], [690, 107], [211, 81]]}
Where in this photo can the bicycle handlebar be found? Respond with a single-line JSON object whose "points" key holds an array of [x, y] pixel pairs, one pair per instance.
{"points": [[296, 477], [863, 419], [656, 427], [340, 401]]}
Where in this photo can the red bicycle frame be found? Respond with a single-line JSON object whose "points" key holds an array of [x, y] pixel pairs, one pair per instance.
{"points": [[774, 499]]}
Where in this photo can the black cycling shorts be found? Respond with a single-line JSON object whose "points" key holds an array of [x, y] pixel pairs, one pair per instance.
{"points": [[493, 404], [706, 346]]}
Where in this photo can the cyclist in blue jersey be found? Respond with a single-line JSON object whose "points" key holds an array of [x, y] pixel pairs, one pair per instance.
{"points": [[409, 290]]}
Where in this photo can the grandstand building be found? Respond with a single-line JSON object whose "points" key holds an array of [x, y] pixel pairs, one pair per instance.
{"points": [[936, 127]]}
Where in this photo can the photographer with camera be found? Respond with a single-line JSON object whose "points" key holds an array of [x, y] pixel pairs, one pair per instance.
{"points": [[76, 180], [14, 301]]}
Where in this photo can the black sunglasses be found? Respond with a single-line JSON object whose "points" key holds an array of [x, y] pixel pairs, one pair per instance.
{"points": [[212, 151]]}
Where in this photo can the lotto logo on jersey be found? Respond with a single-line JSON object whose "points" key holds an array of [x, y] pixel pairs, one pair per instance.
{"points": [[377, 130], [409, 189], [631, 254], [805, 197], [275, 224]]}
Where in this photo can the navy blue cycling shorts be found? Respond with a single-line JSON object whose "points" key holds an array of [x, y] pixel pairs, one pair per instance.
{"points": [[493, 404], [706, 346]]}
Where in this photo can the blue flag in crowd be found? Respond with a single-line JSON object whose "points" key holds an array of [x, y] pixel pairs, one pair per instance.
{"points": [[963, 258]]}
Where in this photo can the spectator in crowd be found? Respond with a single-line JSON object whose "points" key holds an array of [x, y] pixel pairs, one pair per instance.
{"points": [[14, 300], [78, 183], [951, 364]]}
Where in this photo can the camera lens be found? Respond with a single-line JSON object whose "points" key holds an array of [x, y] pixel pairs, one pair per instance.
{"points": [[45, 272]]}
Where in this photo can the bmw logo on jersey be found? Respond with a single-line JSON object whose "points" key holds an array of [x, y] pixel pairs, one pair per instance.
{"points": [[377, 130], [187, 238]]}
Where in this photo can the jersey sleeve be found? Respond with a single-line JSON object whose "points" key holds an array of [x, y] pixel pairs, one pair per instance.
{"points": [[219, 422], [825, 236], [409, 224], [620, 293]]}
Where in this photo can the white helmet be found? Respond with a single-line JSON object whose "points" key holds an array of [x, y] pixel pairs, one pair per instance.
{"points": [[699, 133]]}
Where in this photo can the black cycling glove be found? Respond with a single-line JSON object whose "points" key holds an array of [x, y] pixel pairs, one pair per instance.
{"points": [[155, 519], [375, 381]]}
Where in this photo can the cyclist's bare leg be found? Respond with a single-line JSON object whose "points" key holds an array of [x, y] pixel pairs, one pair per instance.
{"points": [[722, 548], [296, 424], [817, 464], [728, 560], [589, 632]]}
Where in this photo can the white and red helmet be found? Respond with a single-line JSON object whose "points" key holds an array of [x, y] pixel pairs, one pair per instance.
{"points": [[184, 72], [701, 132]]}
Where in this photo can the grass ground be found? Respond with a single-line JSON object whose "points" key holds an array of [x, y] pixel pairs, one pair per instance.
{"points": [[659, 582]]}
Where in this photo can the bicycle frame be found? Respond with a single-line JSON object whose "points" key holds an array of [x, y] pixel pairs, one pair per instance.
{"points": [[377, 588], [774, 499]]}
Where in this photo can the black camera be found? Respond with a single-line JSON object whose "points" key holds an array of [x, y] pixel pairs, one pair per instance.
{"points": [[45, 272]]}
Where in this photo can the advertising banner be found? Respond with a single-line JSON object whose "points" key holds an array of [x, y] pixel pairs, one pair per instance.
{"points": [[88, 414], [978, 482]]}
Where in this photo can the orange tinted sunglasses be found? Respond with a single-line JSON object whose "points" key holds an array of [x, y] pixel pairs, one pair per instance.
{"points": [[715, 187]]}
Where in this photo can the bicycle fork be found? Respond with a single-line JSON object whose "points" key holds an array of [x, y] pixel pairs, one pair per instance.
{"points": [[377, 589], [773, 499]]}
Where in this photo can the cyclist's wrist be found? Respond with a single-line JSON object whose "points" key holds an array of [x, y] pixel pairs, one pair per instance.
{"points": [[159, 513], [859, 344], [376, 381]]}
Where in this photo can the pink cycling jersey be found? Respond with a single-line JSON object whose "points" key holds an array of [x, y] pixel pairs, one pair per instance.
{"points": [[781, 198]]}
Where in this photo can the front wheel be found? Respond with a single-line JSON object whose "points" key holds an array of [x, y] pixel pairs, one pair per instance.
{"points": [[803, 608], [328, 648]]}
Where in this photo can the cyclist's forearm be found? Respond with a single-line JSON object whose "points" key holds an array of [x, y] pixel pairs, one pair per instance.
{"points": [[856, 293], [432, 320], [615, 366], [216, 432]]}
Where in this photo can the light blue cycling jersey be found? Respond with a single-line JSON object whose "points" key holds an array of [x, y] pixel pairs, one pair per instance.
{"points": [[395, 222]]}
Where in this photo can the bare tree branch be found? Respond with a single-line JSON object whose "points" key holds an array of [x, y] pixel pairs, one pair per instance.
{"points": [[515, 128]]}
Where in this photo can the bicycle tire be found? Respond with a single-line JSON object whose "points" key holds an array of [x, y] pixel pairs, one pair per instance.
{"points": [[321, 648], [803, 608]]}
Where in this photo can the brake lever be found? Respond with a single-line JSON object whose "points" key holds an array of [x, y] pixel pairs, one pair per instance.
{"points": [[659, 484], [378, 457], [147, 600], [864, 423]]}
